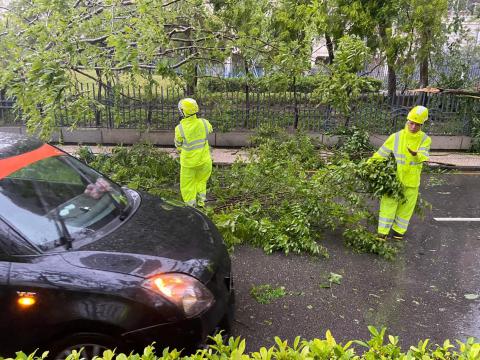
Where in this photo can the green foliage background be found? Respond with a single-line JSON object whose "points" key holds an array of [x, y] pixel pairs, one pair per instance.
{"points": [[50, 48]]}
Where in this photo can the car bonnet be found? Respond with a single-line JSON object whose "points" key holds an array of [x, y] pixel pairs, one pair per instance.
{"points": [[179, 237]]}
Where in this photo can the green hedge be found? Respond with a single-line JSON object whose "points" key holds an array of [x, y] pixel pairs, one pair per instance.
{"points": [[266, 84], [378, 347]]}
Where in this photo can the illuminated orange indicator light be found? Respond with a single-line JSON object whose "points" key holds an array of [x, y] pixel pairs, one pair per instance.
{"points": [[26, 300]]}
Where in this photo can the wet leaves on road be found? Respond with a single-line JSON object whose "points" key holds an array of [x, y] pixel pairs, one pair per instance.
{"points": [[265, 294], [332, 279]]}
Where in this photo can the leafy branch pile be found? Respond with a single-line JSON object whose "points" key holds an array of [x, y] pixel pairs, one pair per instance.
{"points": [[321, 349], [285, 197], [475, 135], [139, 167]]}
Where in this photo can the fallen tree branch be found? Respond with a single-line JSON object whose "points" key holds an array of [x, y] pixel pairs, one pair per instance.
{"points": [[433, 90]]}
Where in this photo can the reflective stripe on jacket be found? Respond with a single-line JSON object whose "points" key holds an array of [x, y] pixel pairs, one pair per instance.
{"points": [[191, 139], [409, 167]]}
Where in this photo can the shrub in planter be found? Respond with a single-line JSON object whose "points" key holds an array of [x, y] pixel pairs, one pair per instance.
{"points": [[379, 346]]}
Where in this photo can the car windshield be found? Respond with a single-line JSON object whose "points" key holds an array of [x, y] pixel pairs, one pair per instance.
{"points": [[57, 198]]}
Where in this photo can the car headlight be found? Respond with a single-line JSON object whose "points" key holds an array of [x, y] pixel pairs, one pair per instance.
{"points": [[189, 294]]}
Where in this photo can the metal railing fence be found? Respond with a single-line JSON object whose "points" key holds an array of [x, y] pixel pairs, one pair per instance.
{"points": [[156, 108]]}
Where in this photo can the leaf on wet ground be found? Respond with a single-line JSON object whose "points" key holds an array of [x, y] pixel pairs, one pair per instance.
{"points": [[335, 278], [472, 296], [265, 294], [332, 279]]}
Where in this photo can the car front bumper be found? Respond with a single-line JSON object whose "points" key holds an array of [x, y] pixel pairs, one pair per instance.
{"points": [[189, 334]]}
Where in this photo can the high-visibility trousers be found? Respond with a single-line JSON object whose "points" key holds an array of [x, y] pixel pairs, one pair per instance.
{"points": [[396, 214], [193, 183]]}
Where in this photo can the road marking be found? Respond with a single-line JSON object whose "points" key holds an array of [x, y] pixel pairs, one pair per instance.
{"points": [[456, 219]]}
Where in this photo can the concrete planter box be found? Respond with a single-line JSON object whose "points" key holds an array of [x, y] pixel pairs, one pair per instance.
{"points": [[120, 136], [13, 129], [159, 137], [55, 137], [232, 139], [377, 140], [439, 142], [316, 137], [447, 142], [331, 140], [82, 136], [466, 143], [229, 139]]}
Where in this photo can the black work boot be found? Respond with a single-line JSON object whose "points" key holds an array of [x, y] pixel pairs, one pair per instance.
{"points": [[397, 236], [381, 237]]}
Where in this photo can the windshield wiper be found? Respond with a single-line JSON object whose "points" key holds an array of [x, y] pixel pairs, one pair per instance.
{"points": [[65, 237]]}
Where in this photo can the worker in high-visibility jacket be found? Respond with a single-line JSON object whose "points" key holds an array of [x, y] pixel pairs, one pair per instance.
{"points": [[410, 147], [191, 141]]}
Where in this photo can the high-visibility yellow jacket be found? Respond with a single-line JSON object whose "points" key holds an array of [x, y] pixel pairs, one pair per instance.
{"points": [[409, 167], [191, 139]]}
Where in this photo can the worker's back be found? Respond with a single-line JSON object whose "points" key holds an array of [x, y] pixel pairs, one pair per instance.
{"points": [[192, 137]]}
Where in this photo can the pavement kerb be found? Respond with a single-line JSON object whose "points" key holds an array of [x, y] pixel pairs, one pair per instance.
{"points": [[454, 167]]}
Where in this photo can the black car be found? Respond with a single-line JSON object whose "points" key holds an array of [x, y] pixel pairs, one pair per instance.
{"points": [[86, 263]]}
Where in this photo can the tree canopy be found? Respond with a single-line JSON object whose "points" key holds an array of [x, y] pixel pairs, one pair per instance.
{"points": [[49, 47]]}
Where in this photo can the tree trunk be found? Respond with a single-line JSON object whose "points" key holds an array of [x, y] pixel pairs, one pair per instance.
{"points": [[192, 82], [98, 115], [295, 103], [329, 43], [149, 103], [110, 103], [247, 96], [424, 73], [391, 58], [392, 82]]}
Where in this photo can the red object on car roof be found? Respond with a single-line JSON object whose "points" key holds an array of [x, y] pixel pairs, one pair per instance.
{"points": [[14, 163]]}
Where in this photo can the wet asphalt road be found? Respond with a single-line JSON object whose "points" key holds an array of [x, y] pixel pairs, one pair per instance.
{"points": [[419, 295]]}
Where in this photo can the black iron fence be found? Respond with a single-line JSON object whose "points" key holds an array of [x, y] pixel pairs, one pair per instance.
{"points": [[156, 108]]}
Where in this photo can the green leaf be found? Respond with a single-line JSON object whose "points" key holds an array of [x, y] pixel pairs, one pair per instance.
{"points": [[335, 278]]}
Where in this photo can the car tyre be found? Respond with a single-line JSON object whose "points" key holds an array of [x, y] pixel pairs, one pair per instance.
{"points": [[93, 344]]}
